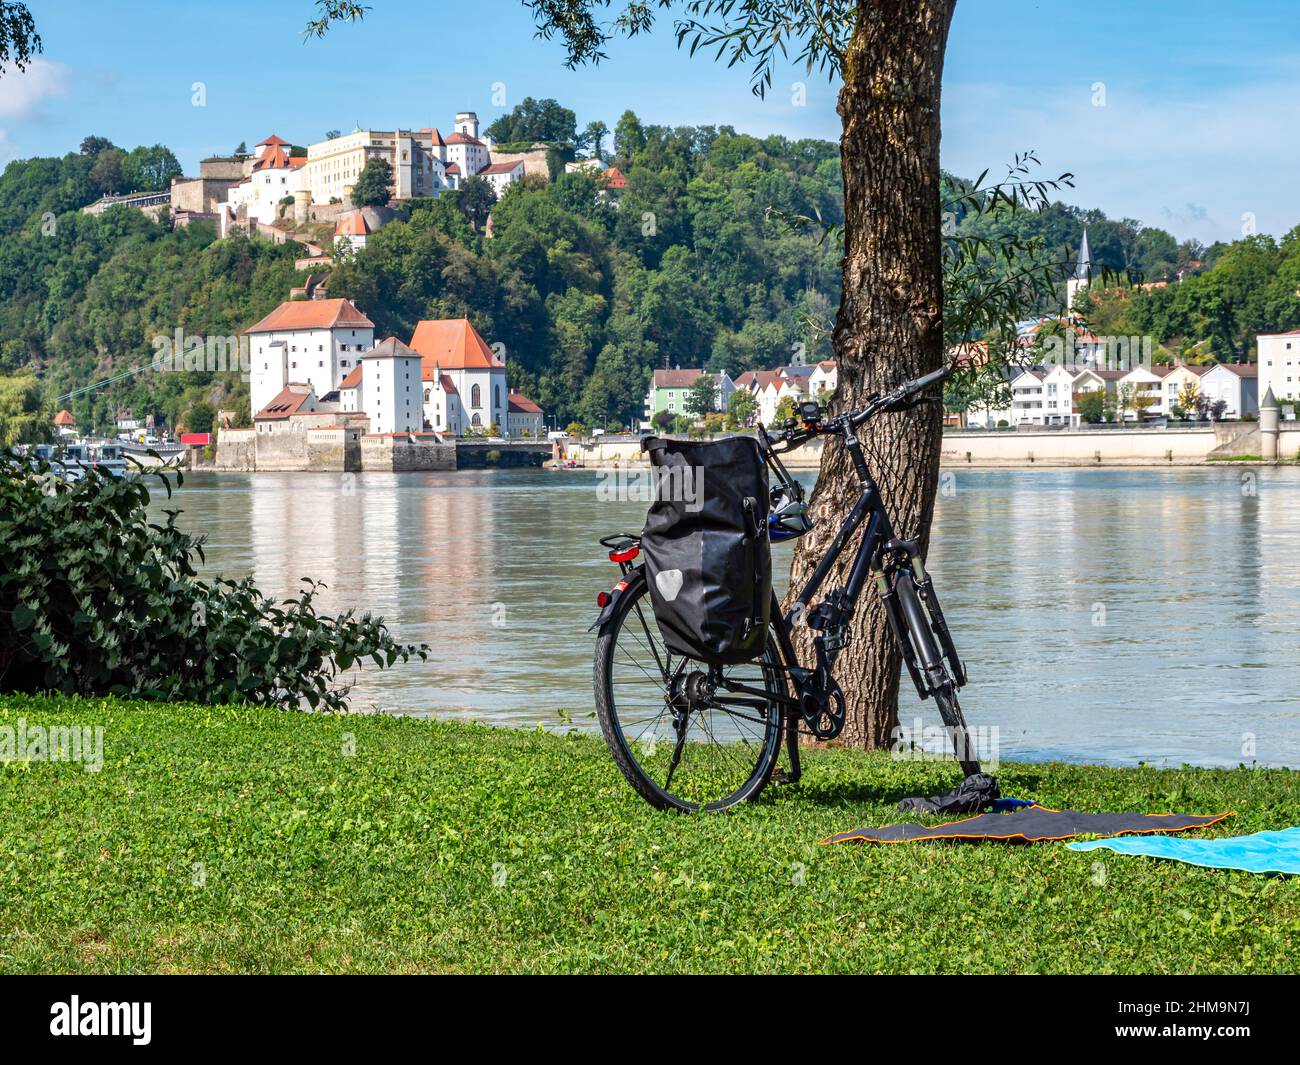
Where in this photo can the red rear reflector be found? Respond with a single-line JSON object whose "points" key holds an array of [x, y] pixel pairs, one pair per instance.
{"points": [[624, 556], [602, 600]]}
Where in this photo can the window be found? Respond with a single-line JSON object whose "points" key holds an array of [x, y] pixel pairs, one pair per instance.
{"points": [[497, 393], [475, 398], [476, 420]]}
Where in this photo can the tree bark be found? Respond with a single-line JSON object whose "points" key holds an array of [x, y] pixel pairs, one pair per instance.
{"points": [[890, 322]]}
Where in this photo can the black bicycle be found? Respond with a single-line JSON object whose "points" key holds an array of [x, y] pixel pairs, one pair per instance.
{"points": [[693, 736]]}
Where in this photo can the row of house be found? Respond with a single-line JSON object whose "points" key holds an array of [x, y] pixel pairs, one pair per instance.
{"points": [[670, 389], [319, 357], [1050, 395]]}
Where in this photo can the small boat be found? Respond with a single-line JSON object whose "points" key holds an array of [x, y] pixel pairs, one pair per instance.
{"points": [[170, 453], [78, 458]]}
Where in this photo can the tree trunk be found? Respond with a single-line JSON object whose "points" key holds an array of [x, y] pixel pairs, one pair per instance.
{"points": [[890, 322]]}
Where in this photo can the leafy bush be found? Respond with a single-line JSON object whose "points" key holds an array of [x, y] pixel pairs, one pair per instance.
{"points": [[97, 600]]}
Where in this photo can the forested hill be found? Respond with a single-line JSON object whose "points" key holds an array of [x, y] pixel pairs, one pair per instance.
{"points": [[696, 264]]}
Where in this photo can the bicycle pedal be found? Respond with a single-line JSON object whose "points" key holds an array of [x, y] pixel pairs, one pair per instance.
{"points": [[783, 778]]}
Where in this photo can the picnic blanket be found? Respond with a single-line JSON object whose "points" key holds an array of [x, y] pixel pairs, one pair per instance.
{"points": [[1032, 824], [1259, 852]]}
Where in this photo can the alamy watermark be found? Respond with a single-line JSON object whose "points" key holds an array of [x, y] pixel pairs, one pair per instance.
{"points": [[1077, 351], [673, 484], [182, 352], [933, 743], [57, 743]]}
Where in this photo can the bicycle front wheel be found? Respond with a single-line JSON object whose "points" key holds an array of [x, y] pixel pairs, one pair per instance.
{"points": [[682, 740]]}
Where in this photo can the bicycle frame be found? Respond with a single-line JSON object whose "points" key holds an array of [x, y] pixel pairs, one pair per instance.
{"points": [[911, 606]]}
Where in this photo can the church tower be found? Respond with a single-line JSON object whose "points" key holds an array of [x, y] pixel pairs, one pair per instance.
{"points": [[1082, 274]]}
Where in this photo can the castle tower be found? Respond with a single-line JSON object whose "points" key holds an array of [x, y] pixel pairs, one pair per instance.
{"points": [[1082, 274], [467, 123]]}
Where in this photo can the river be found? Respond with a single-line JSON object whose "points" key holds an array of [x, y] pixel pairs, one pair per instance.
{"points": [[1109, 616]]}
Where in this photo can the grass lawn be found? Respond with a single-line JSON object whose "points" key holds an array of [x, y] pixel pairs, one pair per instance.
{"points": [[234, 839]]}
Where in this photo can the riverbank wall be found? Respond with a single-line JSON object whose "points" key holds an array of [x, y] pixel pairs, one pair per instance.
{"points": [[1048, 447], [347, 449]]}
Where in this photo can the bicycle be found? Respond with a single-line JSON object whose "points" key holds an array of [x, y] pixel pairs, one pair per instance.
{"points": [[691, 736]]}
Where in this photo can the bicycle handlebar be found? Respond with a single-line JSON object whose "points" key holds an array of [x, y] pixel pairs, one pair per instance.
{"points": [[895, 399]]}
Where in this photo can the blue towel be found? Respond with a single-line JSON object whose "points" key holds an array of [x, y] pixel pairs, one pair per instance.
{"points": [[1260, 852]]}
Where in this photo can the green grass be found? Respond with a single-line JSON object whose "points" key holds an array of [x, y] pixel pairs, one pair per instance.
{"points": [[443, 847]]}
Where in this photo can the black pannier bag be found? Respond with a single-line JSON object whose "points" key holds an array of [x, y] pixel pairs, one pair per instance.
{"points": [[705, 544]]}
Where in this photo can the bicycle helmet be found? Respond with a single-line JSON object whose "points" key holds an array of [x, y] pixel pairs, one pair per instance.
{"points": [[788, 513]]}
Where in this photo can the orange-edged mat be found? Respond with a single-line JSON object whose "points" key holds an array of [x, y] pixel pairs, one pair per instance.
{"points": [[1033, 824]]}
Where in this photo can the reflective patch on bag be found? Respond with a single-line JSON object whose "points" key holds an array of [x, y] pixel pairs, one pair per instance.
{"points": [[669, 583]]}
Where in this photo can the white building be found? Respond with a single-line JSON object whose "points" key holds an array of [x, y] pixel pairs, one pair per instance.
{"points": [[1177, 379], [1027, 398], [1058, 397], [1237, 384], [502, 175], [350, 390], [1279, 365], [526, 418], [825, 377], [318, 342], [391, 389], [478, 397], [1147, 388], [422, 160], [770, 387], [273, 176]]}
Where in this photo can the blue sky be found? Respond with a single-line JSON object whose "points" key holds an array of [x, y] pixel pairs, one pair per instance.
{"points": [[1195, 135]]}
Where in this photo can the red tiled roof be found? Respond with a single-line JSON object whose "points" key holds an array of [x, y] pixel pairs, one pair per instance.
{"points": [[522, 404], [287, 402], [313, 314], [675, 378], [612, 178], [275, 155], [352, 224], [453, 344], [500, 168], [453, 168], [353, 379], [463, 138], [64, 417], [1290, 333], [1241, 369]]}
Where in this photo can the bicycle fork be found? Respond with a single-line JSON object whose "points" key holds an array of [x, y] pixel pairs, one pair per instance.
{"points": [[925, 643]]}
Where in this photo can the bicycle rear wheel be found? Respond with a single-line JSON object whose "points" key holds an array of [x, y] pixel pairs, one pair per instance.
{"points": [[682, 741]]}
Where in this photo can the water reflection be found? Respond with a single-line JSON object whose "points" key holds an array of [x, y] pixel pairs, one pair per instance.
{"points": [[1106, 615]]}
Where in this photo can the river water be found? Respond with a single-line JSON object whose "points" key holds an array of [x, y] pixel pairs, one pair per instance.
{"points": [[1109, 616]]}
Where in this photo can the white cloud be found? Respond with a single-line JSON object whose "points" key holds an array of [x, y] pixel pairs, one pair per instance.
{"points": [[1195, 165], [22, 94]]}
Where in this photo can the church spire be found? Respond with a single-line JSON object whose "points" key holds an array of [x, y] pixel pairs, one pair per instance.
{"points": [[1083, 269]]}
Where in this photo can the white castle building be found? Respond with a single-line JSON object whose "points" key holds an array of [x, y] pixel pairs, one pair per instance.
{"points": [[274, 175], [316, 342], [423, 161], [448, 380]]}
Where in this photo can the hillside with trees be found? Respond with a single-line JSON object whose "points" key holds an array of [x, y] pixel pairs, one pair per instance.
{"points": [[699, 261]]}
